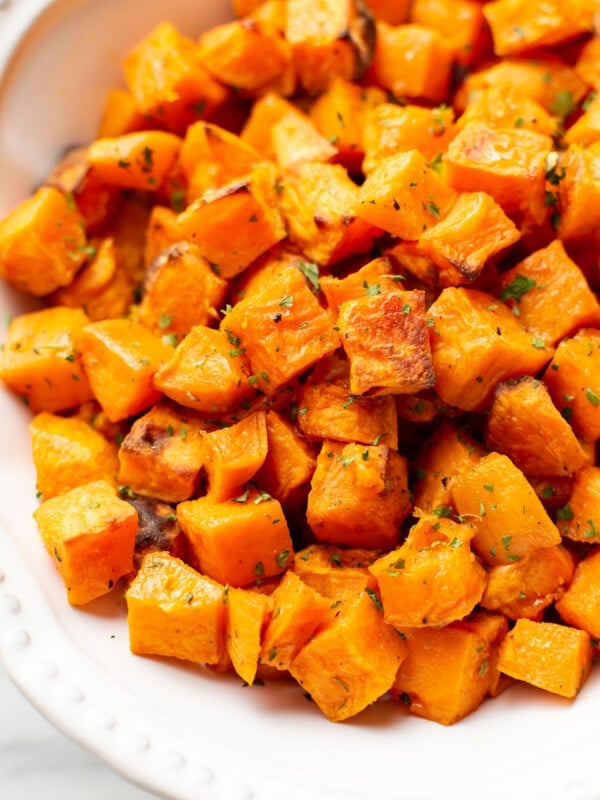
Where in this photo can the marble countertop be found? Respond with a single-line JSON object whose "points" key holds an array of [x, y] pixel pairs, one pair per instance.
{"points": [[37, 761]]}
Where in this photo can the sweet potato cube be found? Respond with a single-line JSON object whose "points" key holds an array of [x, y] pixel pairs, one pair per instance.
{"points": [[289, 464], [374, 277], [550, 294], [390, 129], [573, 380], [240, 541], [524, 424], [296, 141], [411, 61], [395, 12], [39, 362], [174, 611], [336, 572], [90, 532], [475, 230], [42, 242], [386, 340], [299, 612], [120, 358], [248, 207], [475, 343], [162, 231], [326, 409], [158, 529], [319, 203], [283, 330], [351, 663], [448, 671], [247, 616], [580, 604], [433, 578], [508, 163], [511, 521], [233, 455], [359, 495], [460, 22], [579, 519], [67, 452], [550, 656], [518, 26], [525, 588], [580, 193], [207, 371], [162, 454], [506, 106], [180, 291], [264, 114], [164, 74], [404, 196], [138, 160], [586, 130], [120, 114], [587, 65]]}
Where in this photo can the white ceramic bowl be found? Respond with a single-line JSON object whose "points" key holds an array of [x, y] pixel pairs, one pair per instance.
{"points": [[178, 730]]}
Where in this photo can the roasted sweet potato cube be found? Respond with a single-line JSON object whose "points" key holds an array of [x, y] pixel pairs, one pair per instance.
{"points": [[319, 203], [180, 291], [264, 114], [475, 230], [411, 61], [586, 130], [289, 464], [329, 39], [39, 361], [475, 343], [207, 371], [120, 114], [162, 231], [90, 532], [580, 604], [247, 616], [336, 572], [374, 277], [351, 663], [433, 578], [164, 74], [138, 160], [404, 195], [448, 671], [395, 12], [506, 106], [579, 518], [326, 409], [162, 454], [579, 191], [67, 452], [359, 495], [587, 64], [299, 612], [296, 141], [174, 611], [248, 207], [511, 520], [549, 294], [120, 358], [508, 163], [340, 115], [527, 587], [391, 128], [550, 656], [240, 541], [524, 424], [448, 451], [387, 343], [283, 330], [42, 242], [573, 380], [158, 529], [460, 22], [128, 230]]}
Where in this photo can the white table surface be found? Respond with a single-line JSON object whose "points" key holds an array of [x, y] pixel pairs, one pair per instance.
{"points": [[37, 761]]}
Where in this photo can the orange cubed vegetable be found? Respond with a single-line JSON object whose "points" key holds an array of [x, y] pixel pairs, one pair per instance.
{"points": [[550, 656], [475, 343], [374, 277], [247, 616], [120, 114], [573, 380], [386, 340], [351, 663], [586, 130], [505, 106], [39, 361], [138, 160], [587, 65], [162, 231], [174, 611], [524, 424], [264, 114], [460, 22], [579, 518], [580, 604], [511, 520], [336, 572], [579, 192], [42, 242], [90, 532], [296, 141], [67, 452], [240, 541], [162, 454], [395, 12], [359, 495], [120, 358]]}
